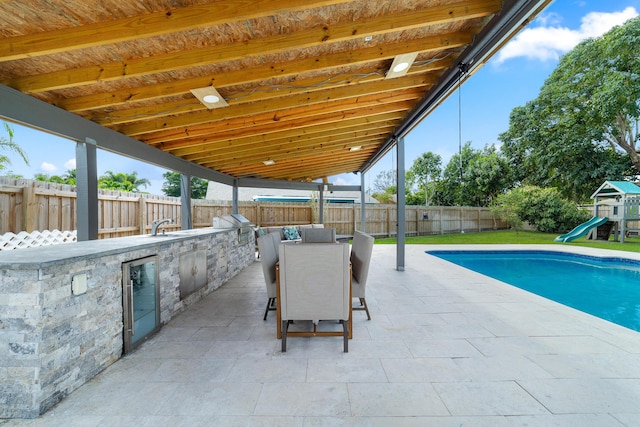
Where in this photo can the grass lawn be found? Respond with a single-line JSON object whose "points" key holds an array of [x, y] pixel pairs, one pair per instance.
{"points": [[631, 244]]}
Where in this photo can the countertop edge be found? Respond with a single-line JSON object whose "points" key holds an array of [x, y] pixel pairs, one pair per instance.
{"points": [[64, 253]]}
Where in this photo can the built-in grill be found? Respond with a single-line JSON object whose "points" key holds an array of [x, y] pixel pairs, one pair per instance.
{"points": [[238, 222]]}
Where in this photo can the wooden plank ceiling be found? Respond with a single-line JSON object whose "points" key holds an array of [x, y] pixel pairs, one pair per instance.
{"points": [[304, 80]]}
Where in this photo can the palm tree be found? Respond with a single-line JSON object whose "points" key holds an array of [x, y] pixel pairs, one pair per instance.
{"points": [[11, 146], [122, 181], [70, 177]]}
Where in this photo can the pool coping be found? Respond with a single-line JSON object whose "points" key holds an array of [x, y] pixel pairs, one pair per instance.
{"points": [[567, 248], [612, 259], [617, 258]]}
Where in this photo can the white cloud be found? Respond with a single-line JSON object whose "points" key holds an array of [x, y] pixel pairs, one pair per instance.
{"points": [[549, 19], [346, 179], [70, 164], [550, 40], [48, 167]]}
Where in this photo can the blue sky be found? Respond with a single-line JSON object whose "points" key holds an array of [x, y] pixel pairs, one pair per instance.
{"points": [[512, 77]]}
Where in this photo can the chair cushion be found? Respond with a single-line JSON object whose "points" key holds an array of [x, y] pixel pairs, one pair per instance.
{"points": [[290, 233]]}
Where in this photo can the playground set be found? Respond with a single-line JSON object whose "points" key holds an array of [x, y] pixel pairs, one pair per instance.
{"points": [[615, 203]]}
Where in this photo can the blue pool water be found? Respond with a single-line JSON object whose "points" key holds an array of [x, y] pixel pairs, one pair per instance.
{"points": [[605, 287]]}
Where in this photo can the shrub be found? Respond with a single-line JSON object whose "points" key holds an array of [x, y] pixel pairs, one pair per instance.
{"points": [[507, 206], [543, 208]]}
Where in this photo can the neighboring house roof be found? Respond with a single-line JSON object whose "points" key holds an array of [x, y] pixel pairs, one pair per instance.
{"points": [[218, 191], [614, 188]]}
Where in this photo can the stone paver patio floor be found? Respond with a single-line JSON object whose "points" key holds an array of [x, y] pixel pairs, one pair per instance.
{"points": [[445, 347]]}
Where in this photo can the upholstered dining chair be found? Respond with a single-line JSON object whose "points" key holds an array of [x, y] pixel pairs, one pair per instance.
{"points": [[268, 246], [318, 235], [314, 284], [361, 249]]}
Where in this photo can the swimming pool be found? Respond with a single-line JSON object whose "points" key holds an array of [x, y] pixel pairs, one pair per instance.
{"points": [[605, 287]]}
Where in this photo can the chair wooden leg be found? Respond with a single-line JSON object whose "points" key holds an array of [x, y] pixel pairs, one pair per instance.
{"points": [[285, 326], [345, 328]]}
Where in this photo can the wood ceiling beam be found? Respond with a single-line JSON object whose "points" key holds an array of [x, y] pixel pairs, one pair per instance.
{"points": [[293, 173], [320, 162], [344, 142], [265, 72], [300, 172], [262, 92], [312, 169], [334, 151], [318, 36], [274, 105], [344, 133], [300, 117], [328, 119], [186, 148], [148, 25]]}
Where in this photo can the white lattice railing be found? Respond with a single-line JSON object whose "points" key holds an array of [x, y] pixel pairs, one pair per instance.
{"points": [[22, 240]]}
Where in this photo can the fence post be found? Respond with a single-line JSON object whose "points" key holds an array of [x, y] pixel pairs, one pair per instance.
{"points": [[29, 211], [354, 222], [257, 215], [142, 217]]}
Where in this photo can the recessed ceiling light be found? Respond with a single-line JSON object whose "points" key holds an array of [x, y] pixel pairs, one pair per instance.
{"points": [[269, 162], [401, 64], [398, 68], [210, 97], [359, 147]]}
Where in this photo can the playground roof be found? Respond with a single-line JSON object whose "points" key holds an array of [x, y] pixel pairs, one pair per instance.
{"points": [[614, 188]]}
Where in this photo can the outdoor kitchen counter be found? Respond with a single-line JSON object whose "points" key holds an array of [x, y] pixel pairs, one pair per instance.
{"points": [[64, 253], [62, 306]]}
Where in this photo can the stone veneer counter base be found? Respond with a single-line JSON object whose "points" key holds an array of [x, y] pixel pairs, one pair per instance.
{"points": [[52, 341]]}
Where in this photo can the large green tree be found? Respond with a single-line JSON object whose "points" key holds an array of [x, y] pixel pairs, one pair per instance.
{"points": [[171, 185], [425, 169], [474, 177], [487, 175], [583, 126], [385, 187], [450, 189], [385, 180], [10, 145]]}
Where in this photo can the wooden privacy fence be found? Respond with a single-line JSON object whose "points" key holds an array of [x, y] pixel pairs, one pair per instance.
{"points": [[27, 205]]}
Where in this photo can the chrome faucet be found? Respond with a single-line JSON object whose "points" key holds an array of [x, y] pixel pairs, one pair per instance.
{"points": [[156, 224]]}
